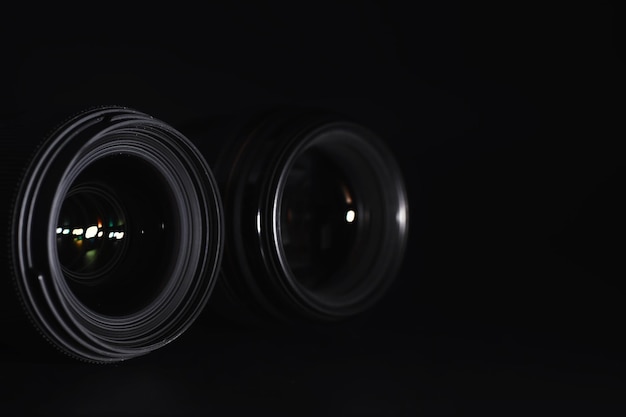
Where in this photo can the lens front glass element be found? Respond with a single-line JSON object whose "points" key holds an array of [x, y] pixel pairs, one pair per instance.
{"points": [[116, 235], [91, 232], [319, 218]]}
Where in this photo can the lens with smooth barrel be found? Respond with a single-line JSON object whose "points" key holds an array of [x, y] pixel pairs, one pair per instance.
{"points": [[317, 219], [115, 233]]}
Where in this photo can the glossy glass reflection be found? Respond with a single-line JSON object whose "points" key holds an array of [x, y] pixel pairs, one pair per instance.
{"points": [[318, 218], [91, 232]]}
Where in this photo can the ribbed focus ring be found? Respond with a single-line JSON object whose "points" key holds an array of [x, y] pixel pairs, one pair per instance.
{"points": [[163, 181]]}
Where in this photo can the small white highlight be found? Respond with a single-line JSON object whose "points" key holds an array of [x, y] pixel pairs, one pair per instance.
{"points": [[111, 234], [66, 231], [100, 233], [59, 230], [91, 231], [119, 235], [350, 216], [258, 222], [401, 216], [77, 232]]}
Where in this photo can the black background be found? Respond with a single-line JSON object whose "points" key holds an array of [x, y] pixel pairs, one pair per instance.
{"points": [[505, 120]]}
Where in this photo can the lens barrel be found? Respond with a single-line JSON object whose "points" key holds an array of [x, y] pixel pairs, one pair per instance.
{"points": [[317, 217], [115, 233]]}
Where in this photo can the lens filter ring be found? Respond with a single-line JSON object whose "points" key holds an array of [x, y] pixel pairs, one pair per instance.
{"points": [[171, 249]]}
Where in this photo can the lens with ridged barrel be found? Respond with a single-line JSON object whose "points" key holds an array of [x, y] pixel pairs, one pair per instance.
{"points": [[115, 233]]}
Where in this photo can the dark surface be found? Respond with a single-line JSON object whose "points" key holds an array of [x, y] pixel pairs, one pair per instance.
{"points": [[505, 123]]}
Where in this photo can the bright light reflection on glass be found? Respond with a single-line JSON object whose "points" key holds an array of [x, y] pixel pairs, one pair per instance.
{"points": [[350, 216], [116, 235], [401, 216], [90, 233]]}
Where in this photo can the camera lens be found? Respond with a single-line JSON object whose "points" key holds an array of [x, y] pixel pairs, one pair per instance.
{"points": [[318, 218], [116, 235]]}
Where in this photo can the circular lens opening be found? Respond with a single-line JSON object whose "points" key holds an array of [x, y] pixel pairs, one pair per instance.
{"points": [[339, 220], [117, 235]]}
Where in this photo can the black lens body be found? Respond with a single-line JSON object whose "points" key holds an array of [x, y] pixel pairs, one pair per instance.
{"points": [[114, 229], [316, 217]]}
